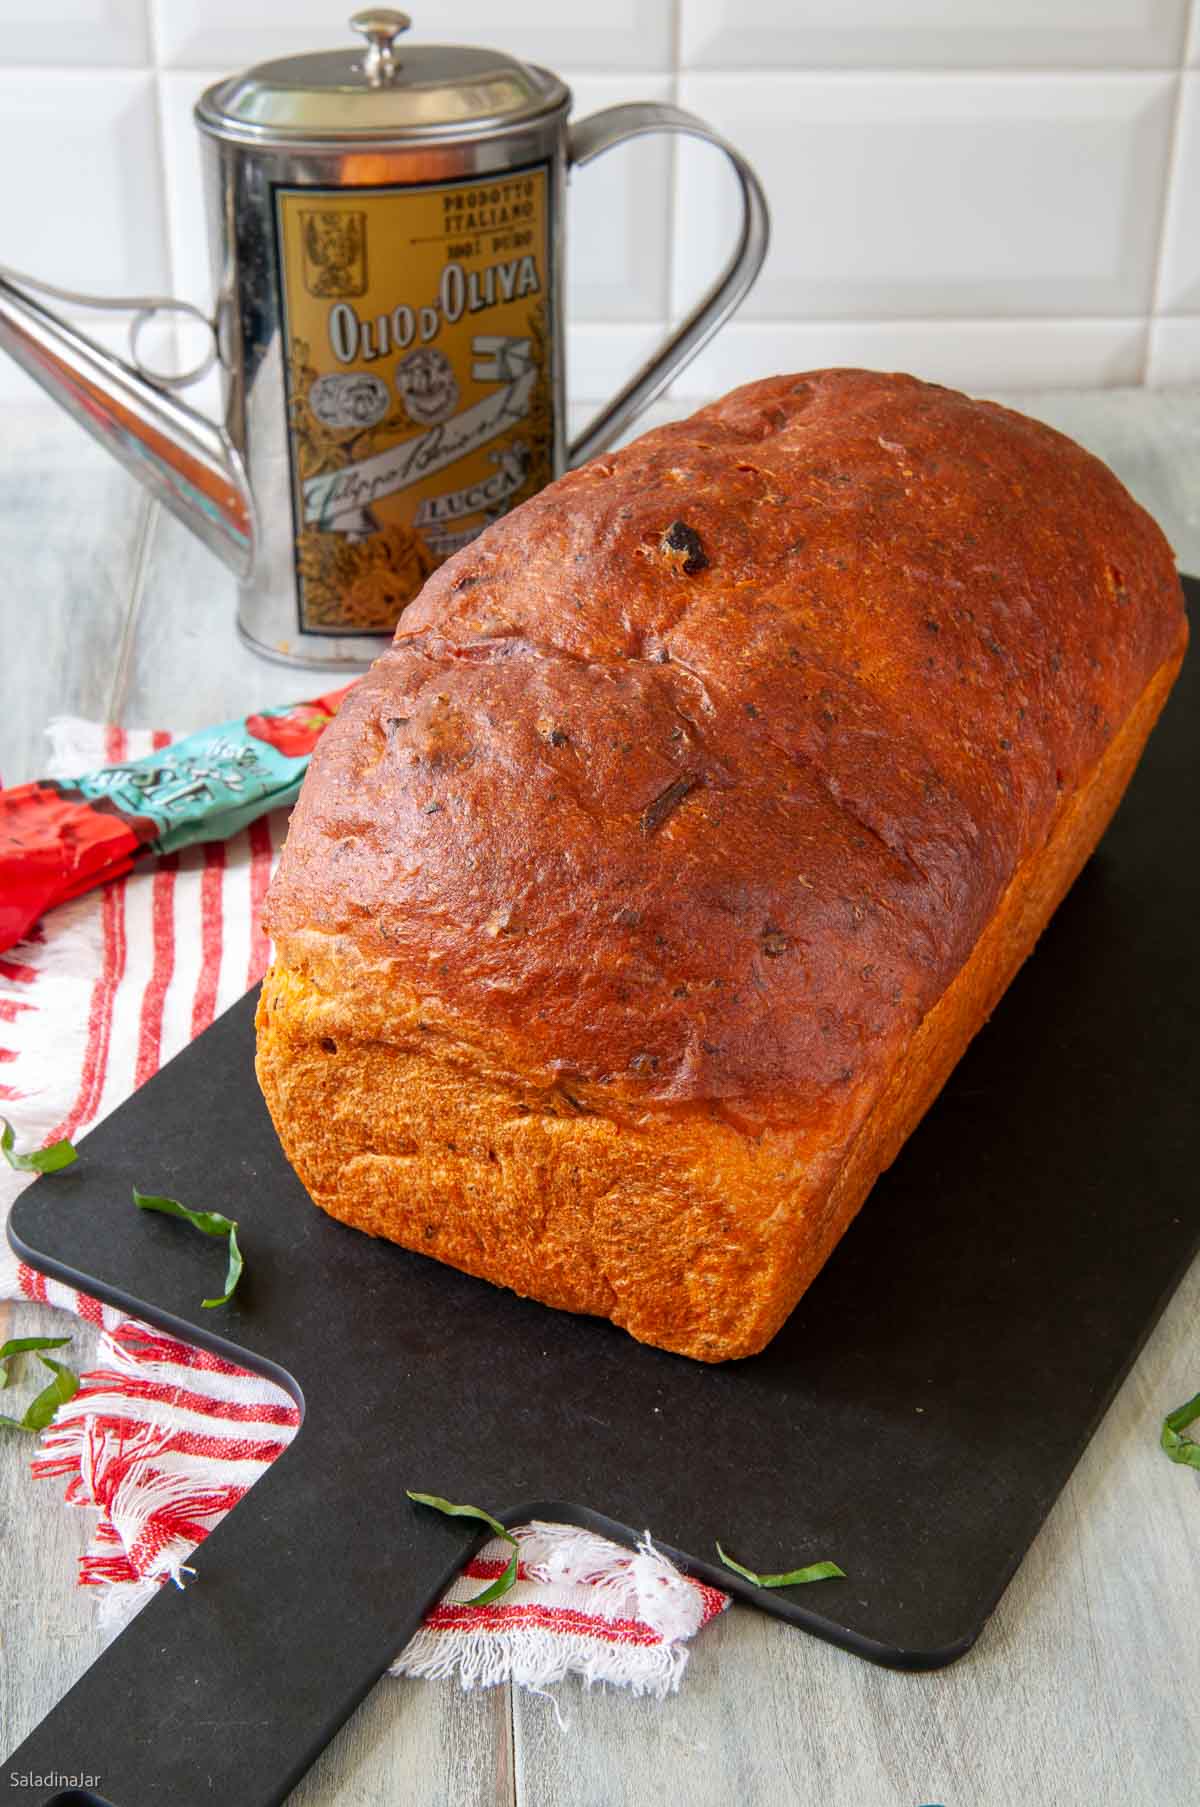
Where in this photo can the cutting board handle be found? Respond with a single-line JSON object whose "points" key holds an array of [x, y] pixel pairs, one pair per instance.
{"points": [[184, 1707]]}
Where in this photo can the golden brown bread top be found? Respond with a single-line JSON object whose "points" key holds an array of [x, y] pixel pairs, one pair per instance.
{"points": [[698, 776]]}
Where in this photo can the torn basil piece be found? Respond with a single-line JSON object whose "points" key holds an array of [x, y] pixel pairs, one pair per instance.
{"points": [[64, 1386], [40, 1411], [23, 1345], [233, 1272], [38, 1160], [495, 1590], [815, 1571], [209, 1223], [1178, 1447]]}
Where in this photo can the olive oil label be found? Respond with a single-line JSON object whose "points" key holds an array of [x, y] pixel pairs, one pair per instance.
{"points": [[416, 322]]}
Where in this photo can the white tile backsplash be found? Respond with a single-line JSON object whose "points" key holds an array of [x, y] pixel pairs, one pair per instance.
{"points": [[619, 212], [83, 200], [932, 34], [1174, 351], [1179, 285], [602, 357], [967, 354], [187, 228], [927, 196], [230, 34], [93, 33], [562, 34], [989, 192]]}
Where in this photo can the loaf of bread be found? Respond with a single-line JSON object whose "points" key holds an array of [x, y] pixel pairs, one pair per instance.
{"points": [[645, 892]]}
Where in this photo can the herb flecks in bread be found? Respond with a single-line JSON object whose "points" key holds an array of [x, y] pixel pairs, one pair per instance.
{"points": [[768, 839]]}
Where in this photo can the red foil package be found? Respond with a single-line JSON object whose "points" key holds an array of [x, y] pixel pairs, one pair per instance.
{"points": [[61, 837]]}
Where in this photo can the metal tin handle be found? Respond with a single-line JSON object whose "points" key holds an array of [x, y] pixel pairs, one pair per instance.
{"points": [[590, 138], [144, 309]]}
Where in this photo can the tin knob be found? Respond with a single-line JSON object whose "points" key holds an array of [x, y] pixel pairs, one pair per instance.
{"points": [[380, 26]]}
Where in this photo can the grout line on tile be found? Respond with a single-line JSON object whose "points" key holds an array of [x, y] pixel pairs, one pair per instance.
{"points": [[824, 71], [164, 171], [80, 72], [722, 71], [674, 147], [137, 592], [926, 71], [1164, 208], [160, 121], [857, 321], [168, 322]]}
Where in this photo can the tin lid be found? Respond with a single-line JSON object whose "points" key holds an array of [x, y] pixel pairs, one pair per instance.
{"points": [[380, 93]]}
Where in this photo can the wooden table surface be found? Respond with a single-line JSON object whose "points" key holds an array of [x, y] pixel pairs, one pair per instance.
{"points": [[1084, 1689]]}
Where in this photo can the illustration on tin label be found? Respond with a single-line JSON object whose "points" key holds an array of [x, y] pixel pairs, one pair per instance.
{"points": [[426, 381], [335, 251], [419, 381]]}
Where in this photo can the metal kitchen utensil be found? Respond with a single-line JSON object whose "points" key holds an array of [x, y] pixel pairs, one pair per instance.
{"points": [[914, 1420], [387, 239]]}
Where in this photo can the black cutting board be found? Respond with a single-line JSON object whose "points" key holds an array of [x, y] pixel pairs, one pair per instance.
{"points": [[915, 1419]]}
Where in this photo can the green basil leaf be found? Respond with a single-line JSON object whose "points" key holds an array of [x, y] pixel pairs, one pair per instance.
{"points": [[18, 1345], [210, 1223], [233, 1272], [451, 1511], [21, 1345], [500, 1586], [816, 1571], [1177, 1446], [40, 1411], [39, 1160]]}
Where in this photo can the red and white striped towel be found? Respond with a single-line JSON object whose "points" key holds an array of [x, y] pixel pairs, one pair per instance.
{"points": [[161, 1439]]}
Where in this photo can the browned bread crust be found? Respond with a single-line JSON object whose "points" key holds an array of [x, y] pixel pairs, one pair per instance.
{"points": [[645, 891]]}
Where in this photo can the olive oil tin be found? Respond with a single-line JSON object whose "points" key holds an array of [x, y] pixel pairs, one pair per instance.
{"points": [[386, 225]]}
